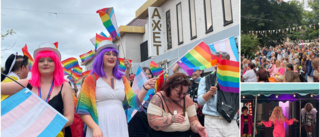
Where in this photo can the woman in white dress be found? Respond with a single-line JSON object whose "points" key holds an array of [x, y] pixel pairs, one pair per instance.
{"points": [[106, 93]]}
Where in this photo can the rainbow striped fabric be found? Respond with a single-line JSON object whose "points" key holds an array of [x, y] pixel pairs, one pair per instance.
{"points": [[26, 53], [228, 75], [108, 19], [77, 72], [70, 63], [86, 73], [159, 83], [122, 67], [86, 56], [56, 44], [66, 72], [155, 69], [228, 45], [199, 58], [100, 38], [25, 114]]}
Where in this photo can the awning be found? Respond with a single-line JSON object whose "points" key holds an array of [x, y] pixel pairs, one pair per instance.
{"points": [[267, 89]]}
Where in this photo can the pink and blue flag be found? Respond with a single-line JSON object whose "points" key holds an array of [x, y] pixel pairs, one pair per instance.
{"points": [[25, 114], [228, 45]]}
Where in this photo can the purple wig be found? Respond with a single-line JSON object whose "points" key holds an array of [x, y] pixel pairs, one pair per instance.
{"points": [[97, 66]]}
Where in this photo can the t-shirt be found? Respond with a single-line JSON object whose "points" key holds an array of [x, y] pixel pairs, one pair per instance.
{"points": [[250, 76], [245, 126]]}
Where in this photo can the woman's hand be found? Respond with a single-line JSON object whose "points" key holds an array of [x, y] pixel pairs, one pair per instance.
{"points": [[260, 123], [127, 64], [201, 131], [97, 132], [295, 120], [177, 118], [150, 83]]}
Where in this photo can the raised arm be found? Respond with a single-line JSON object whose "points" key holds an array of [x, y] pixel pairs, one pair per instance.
{"points": [[11, 88]]}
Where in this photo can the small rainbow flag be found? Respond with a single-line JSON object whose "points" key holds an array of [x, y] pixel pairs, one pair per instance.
{"points": [[122, 67], [228, 75], [86, 73], [66, 72], [56, 44], [86, 56], [70, 63], [159, 83], [77, 70], [155, 69], [199, 58], [108, 19], [26, 53], [100, 38]]}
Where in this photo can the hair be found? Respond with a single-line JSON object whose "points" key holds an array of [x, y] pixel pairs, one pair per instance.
{"points": [[174, 81], [273, 116], [146, 68], [315, 63], [244, 108], [290, 66], [278, 63], [57, 73], [305, 106], [290, 76], [21, 61], [97, 66]]}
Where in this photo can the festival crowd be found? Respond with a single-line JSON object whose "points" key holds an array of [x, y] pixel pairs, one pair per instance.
{"points": [[185, 107], [282, 63]]}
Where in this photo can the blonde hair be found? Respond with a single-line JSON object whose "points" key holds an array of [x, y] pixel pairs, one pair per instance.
{"points": [[273, 116], [278, 63], [305, 106]]}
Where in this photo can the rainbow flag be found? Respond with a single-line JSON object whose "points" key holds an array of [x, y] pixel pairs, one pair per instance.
{"points": [[70, 63], [26, 53], [122, 67], [228, 75], [25, 114], [108, 19], [100, 38], [159, 83], [155, 69], [228, 45], [66, 72], [56, 44], [86, 56], [77, 70], [86, 73], [199, 58]]}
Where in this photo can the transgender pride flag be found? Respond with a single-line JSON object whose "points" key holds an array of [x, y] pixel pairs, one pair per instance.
{"points": [[24, 114], [228, 45]]}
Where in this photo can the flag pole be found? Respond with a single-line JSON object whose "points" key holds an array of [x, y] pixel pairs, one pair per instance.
{"points": [[178, 60]]}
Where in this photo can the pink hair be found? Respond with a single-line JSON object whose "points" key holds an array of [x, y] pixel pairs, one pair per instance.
{"points": [[57, 73]]}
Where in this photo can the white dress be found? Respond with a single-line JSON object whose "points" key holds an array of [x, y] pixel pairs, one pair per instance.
{"points": [[111, 114]]}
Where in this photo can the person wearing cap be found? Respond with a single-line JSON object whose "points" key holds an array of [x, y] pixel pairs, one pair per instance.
{"points": [[47, 82], [16, 67], [105, 93], [214, 121]]}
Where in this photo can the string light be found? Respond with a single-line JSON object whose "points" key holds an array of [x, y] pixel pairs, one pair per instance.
{"points": [[277, 96]]}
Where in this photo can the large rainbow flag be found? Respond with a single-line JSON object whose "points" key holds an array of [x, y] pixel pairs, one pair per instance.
{"points": [[86, 56], [25, 114], [199, 58], [108, 19], [26, 53], [122, 67], [228, 45], [100, 38], [228, 75], [70, 63], [155, 69]]}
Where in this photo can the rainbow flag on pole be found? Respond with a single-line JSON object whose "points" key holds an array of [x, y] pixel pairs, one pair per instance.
{"points": [[108, 19], [70, 63], [122, 67], [26, 53], [228, 75], [86, 56], [199, 58], [155, 69], [25, 114], [228, 45], [77, 70], [66, 72]]}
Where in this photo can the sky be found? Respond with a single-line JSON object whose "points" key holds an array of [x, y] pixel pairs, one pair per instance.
{"points": [[71, 23]]}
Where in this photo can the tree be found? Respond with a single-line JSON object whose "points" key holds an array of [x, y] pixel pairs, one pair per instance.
{"points": [[249, 44], [9, 32]]}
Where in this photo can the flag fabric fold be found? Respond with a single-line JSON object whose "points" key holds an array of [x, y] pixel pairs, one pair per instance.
{"points": [[108, 19], [155, 69], [70, 63], [122, 67], [228, 45], [86, 56], [26, 53]]}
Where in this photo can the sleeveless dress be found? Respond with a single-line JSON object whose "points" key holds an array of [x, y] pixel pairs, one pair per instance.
{"points": [[112, 118]]}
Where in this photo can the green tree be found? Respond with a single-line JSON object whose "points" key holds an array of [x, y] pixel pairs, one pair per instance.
{"points": [[249, 44], [9, 32]]}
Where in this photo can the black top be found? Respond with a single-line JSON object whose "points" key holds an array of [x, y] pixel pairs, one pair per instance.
{"points": [[245, 126]]}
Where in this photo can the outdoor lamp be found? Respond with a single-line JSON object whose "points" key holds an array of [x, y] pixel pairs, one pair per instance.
{"points": [[243, 97], [294, 95], [277, 96], [311, 95]]}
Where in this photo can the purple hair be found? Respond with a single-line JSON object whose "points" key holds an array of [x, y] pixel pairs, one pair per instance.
{"points": [[97, 66]]}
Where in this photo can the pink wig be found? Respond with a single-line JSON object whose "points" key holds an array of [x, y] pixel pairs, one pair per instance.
{"points": [[57, 73]]}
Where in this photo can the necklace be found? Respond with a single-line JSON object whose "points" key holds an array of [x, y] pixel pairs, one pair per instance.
{"points": [[49, 94]]}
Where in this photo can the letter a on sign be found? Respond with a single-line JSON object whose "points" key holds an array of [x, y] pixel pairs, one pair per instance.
{"points": [[156, 13]]}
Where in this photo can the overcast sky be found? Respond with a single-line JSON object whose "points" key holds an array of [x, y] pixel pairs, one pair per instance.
{"points": [[70, 22]]}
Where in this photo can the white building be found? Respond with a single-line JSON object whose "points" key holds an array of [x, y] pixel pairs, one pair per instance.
{"points": [[176, 26]]}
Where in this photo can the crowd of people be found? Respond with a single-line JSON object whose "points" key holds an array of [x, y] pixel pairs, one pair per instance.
{"points": [[184, 107], [277, 119], [282, 63]]}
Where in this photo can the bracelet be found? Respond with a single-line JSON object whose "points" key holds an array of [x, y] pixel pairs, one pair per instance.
{"points": [[144, 87]]}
